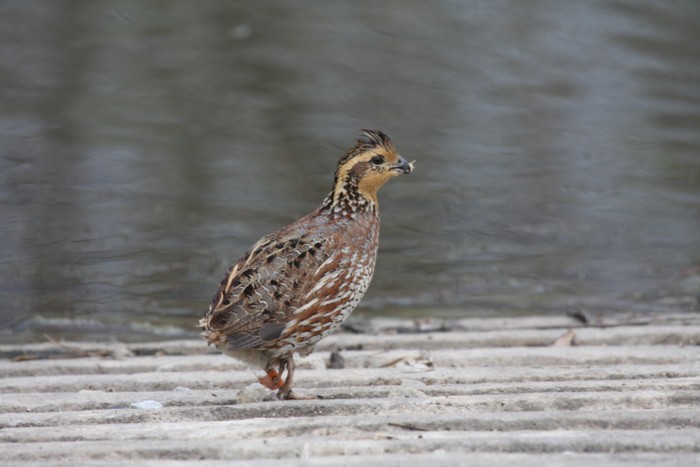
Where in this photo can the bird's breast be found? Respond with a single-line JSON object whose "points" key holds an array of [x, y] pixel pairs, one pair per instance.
{"points": [[337, 288]]}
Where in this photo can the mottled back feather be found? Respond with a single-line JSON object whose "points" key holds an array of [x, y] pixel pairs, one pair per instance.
{"points": [[261, 290]]}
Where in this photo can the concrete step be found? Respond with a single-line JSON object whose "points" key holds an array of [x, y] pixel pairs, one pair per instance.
{"points": [[498, 393]]}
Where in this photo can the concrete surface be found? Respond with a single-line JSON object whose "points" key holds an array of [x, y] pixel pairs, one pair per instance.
{"points": [[499, 391]]}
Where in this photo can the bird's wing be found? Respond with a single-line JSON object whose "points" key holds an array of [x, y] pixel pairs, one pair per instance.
{"points": [[253, 303]]}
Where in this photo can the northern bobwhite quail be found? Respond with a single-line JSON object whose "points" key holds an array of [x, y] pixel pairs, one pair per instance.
{"points": [[298, 284]]}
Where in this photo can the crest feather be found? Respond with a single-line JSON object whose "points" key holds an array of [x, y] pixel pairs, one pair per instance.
{"points": [[368, 140], [374, 138]]}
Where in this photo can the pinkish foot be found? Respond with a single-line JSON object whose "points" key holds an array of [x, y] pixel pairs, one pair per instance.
{"points": [[271, 380]]}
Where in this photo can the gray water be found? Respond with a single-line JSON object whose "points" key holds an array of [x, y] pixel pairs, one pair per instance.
{"points": [[146, 145]]}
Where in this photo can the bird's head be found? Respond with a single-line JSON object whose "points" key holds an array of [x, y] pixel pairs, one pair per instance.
{"points": [[367, 166]]}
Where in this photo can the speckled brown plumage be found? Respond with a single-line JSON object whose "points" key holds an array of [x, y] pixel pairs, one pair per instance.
{"points": [[297, 284]]}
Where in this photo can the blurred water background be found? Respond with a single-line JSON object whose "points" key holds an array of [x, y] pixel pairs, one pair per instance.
{"points": [[146, 145]]}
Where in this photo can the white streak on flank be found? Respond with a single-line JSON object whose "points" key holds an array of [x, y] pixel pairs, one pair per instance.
{"points": [[324, 279], [306, 306], [323, 282], [328, 302], [330, 259]]}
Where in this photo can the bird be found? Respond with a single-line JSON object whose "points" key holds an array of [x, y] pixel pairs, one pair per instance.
{"points": [[298, 284]]}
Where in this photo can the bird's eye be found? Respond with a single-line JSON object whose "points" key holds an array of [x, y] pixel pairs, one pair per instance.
{"points": [[377, 160]]}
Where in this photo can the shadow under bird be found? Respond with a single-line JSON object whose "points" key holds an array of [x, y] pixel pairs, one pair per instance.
{"points": [[299, 283]]}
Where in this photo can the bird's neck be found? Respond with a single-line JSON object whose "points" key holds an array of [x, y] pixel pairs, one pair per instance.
{"points": [[346, 200]]}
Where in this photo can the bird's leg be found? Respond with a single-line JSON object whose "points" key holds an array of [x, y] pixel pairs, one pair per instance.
{"points": [[272, 380], [286, 389], [283, 365], [285, 392]]}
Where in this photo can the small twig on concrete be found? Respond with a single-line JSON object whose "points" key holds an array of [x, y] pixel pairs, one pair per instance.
{"points": [[408, 427]]}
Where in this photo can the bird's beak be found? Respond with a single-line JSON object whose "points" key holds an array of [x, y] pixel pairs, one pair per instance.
{"points": [[402, 165]]}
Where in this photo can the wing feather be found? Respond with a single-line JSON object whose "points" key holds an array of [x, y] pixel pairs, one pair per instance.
{"points": [[260, 292]]}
